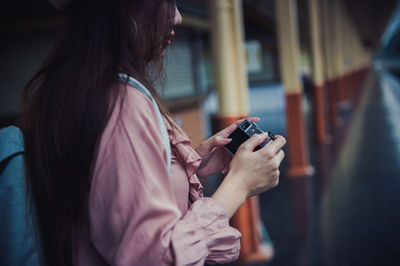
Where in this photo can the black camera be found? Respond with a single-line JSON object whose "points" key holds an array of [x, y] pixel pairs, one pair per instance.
{"points": [[244, 131]]}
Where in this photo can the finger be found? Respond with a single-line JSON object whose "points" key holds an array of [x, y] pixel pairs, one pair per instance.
{"points": [[220, 141], [254, 119], [228, 130], [253, 141], [213, 142], [278, 159], [280, 156], [274, 147]]}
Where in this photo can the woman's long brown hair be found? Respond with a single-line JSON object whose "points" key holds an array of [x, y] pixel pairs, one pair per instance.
{"points": [[69, 101]]}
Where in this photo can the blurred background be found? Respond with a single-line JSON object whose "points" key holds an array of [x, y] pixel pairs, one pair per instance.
{"points": [[323, 73]]}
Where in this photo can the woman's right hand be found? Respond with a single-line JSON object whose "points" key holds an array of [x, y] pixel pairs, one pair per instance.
{"points": [[251, 172], [257, 171]]}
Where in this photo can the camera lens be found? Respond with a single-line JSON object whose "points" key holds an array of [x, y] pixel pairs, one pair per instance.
{"points": [[245, 125]]}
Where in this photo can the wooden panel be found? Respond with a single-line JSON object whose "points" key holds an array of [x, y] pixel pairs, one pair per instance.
{"points": [[191, 122]]}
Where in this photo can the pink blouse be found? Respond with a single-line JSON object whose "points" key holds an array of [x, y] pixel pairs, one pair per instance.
{"points": [[139, 214]]}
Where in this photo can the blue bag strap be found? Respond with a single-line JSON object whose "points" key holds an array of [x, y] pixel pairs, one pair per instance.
{"points": [[164, 133], [19, 241], [11, 142]]}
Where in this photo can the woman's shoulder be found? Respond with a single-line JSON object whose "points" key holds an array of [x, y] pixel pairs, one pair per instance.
{"points": [[131, 105], [133, 118], [132, 110], [132, 98]]}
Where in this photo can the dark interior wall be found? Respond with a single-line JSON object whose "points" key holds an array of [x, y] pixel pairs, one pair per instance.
{"points": [[11, 10], [28, 31], [371, 18]]}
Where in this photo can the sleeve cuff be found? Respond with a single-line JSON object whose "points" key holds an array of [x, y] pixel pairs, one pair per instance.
{"points": [[204, 235]]}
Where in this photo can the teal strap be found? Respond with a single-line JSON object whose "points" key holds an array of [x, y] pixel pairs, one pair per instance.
{"points": [[164, 133], [19, 241]]}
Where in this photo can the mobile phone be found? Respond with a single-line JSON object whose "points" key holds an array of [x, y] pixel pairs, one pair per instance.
{"points": [[244, 131]]}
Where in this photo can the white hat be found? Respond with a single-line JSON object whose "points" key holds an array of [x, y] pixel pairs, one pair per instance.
{"points": [[60, 4]]}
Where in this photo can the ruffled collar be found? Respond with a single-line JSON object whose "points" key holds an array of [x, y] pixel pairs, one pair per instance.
{"points": [[191, 160]]}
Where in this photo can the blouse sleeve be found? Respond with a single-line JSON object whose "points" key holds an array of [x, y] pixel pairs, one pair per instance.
{"points": [[133, 213]]}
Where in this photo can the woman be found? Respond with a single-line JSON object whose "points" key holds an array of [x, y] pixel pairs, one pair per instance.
{"points": [[97, 164]]}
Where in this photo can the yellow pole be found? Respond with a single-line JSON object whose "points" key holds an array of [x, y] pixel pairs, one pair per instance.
{"points": [[227, 43], [327, 39], [340, 69], [286, 15], [316, 47], [338, 39], [243, 87]]}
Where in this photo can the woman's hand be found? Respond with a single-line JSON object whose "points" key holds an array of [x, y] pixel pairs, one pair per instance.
{"points": [[251, 172], [214, 157], [257, 171]]}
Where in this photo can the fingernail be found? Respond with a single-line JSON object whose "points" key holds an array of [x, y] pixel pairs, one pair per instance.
{"points": [[222, 139], [227, 140]]}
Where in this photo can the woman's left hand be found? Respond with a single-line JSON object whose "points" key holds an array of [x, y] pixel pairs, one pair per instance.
{"points": [[215, 158]]}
